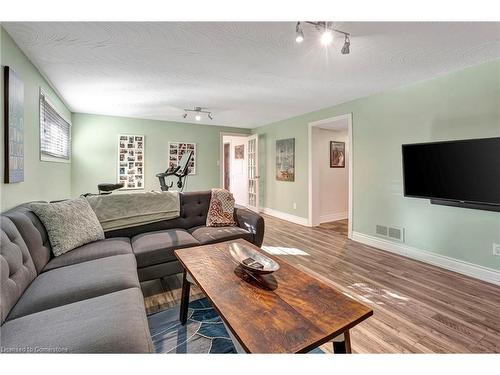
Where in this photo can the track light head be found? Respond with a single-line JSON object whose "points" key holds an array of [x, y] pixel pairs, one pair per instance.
{"points": [[346, 48], [326, 37], [185, 115], [210, 116], [299, 33]]}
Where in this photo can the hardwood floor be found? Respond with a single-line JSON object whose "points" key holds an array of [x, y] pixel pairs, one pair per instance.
{"points": [[339, 227], [418, 308], [165, 293]]}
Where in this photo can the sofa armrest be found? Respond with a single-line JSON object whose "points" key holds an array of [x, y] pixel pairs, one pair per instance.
{"points": [[252, 222]]}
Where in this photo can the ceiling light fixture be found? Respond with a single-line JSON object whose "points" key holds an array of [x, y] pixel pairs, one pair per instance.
{"points": [[198, 111], [327, 34]]}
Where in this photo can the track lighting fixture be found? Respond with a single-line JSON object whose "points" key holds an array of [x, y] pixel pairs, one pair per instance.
{"points": [[198, 111], [327, 34]]}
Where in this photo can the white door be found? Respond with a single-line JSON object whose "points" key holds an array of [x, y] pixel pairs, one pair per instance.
{"points": [[253, 172]]}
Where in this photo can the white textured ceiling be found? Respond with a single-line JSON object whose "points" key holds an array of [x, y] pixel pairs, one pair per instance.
{"points": [[247, 74]]}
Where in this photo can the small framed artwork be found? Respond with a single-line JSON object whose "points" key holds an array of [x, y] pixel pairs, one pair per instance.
{"points": [[285, 160], [131, 161], [175, 152], [337, 154], [14, 126], [239, 152]]}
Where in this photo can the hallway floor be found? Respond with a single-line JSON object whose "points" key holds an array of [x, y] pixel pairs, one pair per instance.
{"points": [[339, 226]]}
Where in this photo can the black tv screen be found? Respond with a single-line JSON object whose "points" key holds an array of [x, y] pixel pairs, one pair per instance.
{"points": [[464, 171]]}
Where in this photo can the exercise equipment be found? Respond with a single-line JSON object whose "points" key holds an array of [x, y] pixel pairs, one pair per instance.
{"points": [[180, 171]]}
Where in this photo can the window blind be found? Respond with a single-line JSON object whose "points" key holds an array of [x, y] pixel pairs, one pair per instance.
{"points": [[55, 132]]}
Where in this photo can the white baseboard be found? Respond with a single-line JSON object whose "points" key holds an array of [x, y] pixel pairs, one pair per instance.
{"points": [[333, 217], [285, 216], [479, 272]]}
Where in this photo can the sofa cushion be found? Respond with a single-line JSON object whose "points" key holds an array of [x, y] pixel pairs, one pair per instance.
{"points": [[70, 224], [206, 235], [112, 323], [158, 247], [91, 251], [74, 283], [194, 209], [33, 232], [157, 271], [17, 270]]}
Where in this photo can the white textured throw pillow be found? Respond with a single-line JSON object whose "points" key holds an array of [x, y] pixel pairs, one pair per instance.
{"points": [[70, 224]]}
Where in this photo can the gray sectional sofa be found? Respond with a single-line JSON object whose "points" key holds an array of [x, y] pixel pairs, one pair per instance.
{"points": [[89, 299]]}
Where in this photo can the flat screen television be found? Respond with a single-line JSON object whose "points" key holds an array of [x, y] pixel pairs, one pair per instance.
{"points": [[463, 173]]}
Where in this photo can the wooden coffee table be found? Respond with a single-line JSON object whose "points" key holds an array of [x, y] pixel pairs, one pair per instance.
{"points": [[287, 311]]}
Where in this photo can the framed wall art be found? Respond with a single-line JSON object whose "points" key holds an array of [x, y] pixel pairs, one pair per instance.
{"points": [[14, 127], [131, 161], [285, 160], [337, 154], [175, 152], [239, 152]]}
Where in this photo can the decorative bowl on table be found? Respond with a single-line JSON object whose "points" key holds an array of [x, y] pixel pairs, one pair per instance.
{"points": [[252, 260]]}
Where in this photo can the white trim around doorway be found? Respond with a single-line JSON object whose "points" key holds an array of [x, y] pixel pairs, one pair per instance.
{"points": [[316, 221], [221, 152]]}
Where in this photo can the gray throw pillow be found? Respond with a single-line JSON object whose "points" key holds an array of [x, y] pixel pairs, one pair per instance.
{"points": [[69, 224]]}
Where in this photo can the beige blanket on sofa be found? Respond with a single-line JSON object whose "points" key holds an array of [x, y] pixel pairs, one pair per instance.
{"points": [[116, 211]]}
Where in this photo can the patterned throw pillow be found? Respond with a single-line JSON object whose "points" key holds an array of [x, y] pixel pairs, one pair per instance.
{"points": [[69, 224], [221, 210]]}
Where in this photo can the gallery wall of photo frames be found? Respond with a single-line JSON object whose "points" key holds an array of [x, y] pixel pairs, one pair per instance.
{"points": [[175, 152], [131, 161]]}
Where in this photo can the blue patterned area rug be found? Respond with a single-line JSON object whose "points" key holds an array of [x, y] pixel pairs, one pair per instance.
{"points": [[204, 331]]}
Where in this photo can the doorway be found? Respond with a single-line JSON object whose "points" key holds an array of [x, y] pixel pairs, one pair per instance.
{"points": [[239, 168], [330, 173]]}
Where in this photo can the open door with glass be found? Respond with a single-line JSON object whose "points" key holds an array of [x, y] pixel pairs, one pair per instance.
{"points": [[253, 172]]}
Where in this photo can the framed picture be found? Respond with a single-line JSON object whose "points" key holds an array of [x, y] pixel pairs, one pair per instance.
{"points": [[175, 152], [285, 160], [337, 154], [131, 161], [14, 127], [239, 152]]}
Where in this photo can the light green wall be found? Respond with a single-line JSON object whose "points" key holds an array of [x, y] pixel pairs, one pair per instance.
{"points": [[95, 150], [464, 104], [94, 145], [42, 180]]}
